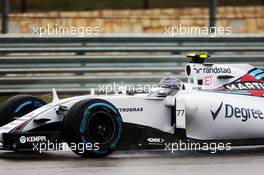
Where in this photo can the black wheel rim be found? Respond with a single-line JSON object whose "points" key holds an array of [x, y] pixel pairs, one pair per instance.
{"points": [[100, 127]]}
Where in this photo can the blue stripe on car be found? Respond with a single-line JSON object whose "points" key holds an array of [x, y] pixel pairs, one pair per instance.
{"points": [[22, 105], [260, 76], [255, 72]]}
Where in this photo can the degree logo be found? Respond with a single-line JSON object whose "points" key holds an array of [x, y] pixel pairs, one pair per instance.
{"points": [[215, 114], [243, 113]]}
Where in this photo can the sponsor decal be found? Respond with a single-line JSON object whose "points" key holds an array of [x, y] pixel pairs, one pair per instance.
{"points": [[245, 86], [156, 141], [215, 114], [32, 139], [207, 80], [131, 109], [243, 113], [22, 139], [216, 70]]}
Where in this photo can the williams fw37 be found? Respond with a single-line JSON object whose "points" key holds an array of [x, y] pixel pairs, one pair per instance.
{"points": [[218, 103]]}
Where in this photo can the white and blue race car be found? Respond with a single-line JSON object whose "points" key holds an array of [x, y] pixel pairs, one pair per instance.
{"points": [[219, 102]]}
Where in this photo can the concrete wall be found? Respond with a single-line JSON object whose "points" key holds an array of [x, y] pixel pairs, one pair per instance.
{"points": [[241, 19]]}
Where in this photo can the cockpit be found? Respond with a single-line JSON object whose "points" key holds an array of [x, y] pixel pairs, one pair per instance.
{"points": [[167, 86]]}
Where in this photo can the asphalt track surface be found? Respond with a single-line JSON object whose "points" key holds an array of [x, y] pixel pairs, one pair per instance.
{"points": [[238, 161]]}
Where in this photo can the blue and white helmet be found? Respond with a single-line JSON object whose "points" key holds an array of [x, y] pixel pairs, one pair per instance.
{"points": [[170, 82]]}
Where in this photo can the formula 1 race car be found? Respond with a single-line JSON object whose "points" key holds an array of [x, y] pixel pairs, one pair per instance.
{"points": [[219, 102]]}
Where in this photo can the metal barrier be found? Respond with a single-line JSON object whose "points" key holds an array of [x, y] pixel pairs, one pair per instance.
{"points": [[32, 64]]}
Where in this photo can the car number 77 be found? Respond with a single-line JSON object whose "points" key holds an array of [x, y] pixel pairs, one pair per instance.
{"points": [[180, 112]]}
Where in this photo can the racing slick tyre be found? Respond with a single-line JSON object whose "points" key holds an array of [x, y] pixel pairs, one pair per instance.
{"points": [[17, 106], [95, 125]]}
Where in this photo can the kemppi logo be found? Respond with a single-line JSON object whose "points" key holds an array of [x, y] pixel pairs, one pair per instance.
{"points": [[32, 139]]}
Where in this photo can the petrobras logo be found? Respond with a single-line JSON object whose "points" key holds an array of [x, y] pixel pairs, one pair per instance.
{"points": [[212, 70], [131, 109], [32, 139], [242, 113]]}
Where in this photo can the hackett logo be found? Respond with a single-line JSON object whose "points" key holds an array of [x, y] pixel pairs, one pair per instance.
{"points": [[242, 113]]}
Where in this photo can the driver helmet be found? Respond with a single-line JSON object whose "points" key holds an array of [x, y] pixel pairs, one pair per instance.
{"points": [[170, 84]]}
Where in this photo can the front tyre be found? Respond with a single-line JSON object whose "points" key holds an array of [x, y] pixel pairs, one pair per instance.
{"points": [[92, 128], [18, 106]]}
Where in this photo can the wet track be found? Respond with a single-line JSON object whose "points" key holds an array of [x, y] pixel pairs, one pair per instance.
{"points": [[242, 161]]}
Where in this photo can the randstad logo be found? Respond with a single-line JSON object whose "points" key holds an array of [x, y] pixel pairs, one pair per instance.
{"points": [[242, 113], [216, 70]]}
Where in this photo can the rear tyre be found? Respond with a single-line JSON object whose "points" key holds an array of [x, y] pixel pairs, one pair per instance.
{"points": [[94, 125], [17, 106]]}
